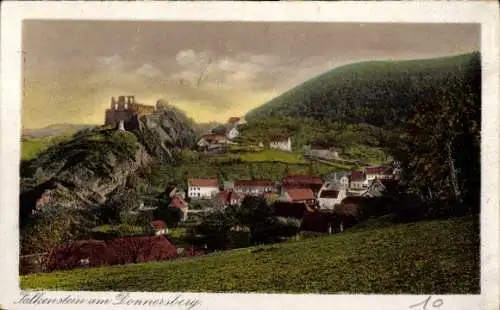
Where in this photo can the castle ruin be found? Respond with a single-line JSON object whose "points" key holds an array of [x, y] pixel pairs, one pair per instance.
{"points": [[124, 112]]}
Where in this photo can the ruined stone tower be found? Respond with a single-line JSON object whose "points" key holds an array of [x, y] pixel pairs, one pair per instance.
{"points": [[124, 112]]}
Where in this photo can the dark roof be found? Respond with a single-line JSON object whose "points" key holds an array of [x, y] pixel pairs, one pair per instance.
{"points": [[289, 209], [329, 194], [142, 249], [357, 176], [253, 183], [390, 185]]}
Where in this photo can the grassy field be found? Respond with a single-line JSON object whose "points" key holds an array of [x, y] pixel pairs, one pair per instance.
{"points": [[270, 155], [438, 257], [32, 146]]}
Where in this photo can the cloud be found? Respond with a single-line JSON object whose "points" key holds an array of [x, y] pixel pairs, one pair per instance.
{"points": [[206, 86], [148, 70]]}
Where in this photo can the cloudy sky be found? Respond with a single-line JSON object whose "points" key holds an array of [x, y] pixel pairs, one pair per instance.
{"points": [[211, 70]]}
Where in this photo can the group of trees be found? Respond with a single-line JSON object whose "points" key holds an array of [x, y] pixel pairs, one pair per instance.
{"points": [[253, 222], [440, 144]]}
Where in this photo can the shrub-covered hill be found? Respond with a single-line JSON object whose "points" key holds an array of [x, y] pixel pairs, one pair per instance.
{"points": [[438, 257], [379, 93]]}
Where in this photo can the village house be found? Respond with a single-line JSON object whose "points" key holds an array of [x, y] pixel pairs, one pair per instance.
{"points": [[252, 187], [299, 195], [202, 188], [236, 121], [302, 181], [160, 227], [230, 198], [379, 187], [213, 142], [341, 177], [233, 133], [396, 169], [281, 143], [357, 180], [179, 203], [320, 151], [176, 191], [330, 195], [373, 173]]}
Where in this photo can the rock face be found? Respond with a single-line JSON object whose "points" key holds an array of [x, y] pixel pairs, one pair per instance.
{"points": [[164, 132], [81, 172]]}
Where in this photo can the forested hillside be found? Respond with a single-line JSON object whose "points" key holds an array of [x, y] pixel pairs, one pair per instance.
{"points": [[380, 93]]}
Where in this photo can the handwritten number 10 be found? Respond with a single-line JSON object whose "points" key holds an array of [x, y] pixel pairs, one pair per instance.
{"points": [[435, 304]]}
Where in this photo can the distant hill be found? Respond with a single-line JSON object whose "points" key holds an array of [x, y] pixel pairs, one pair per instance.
{"points": [[55, 130], [379, 93]]}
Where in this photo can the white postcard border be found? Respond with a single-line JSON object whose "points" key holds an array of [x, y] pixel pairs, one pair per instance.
{"points": [[420, 12]]}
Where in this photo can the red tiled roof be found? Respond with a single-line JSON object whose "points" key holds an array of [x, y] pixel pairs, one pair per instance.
{"points": [[300, 194], [357, 176], [69, 255], [224, 196], [213, 137], [141, 249], [159, 224], [302, 180], [376, 170], [233, 119], [229, 196], [253, 183], [203, 182]]}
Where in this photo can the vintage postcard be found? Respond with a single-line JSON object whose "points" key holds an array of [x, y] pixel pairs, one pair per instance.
{"points": [[250, 156]]}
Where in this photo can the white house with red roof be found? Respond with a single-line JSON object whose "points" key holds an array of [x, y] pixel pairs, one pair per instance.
{"points": [[357, 180], [380, 173], [302, 181], [202, 188], [299, 195]]}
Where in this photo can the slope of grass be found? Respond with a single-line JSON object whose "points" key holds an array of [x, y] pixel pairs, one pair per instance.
{"points": [[274, 155], [426, 257]]}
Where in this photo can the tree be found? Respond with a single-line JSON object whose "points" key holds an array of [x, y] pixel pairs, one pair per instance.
{"points": [[53, 226], [440, 146]]}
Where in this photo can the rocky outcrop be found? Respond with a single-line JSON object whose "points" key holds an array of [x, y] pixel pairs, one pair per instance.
{"points": [[82, 172], [164, 132]]}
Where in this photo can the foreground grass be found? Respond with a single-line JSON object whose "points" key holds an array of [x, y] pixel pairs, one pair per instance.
{"points": [[427, 257]]}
